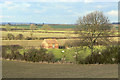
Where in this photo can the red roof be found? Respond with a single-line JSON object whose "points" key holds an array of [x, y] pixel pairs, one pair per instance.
{"points": [[51, 41]]}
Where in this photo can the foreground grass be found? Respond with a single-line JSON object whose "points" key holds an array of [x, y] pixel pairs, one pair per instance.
{"points": [[15, 69]]}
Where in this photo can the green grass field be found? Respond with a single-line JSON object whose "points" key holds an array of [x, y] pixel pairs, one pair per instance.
{"points": [[16, 69]]}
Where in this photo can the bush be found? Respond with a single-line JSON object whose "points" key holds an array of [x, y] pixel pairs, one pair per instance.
{"points": [[31, 55], [35, 55], [10, 36], [19, 37], [28, 38], [46, 27], [11, 52], [109, 55], [57, 54], [49, 57]]}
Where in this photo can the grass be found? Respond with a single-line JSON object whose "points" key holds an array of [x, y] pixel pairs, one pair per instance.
{"points": [[27, 43], [36, 34], [53, 26], [16, 69], [24, 43], [70, 53]]}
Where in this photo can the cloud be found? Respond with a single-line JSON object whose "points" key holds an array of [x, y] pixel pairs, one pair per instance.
{"points": [[113, 13], [103, 6], [1, 16], [99, 6], [26, 5], [69, 10], [20, 6], [88, 1], [14, 5], [39, 11], [8, 3]]}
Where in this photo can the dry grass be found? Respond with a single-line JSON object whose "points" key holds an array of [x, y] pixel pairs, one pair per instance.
{"points": [[36, 34]]}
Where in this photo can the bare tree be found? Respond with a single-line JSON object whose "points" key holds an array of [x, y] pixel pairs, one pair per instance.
{"points": [[8, 27], [93, 28], [33, 27]]}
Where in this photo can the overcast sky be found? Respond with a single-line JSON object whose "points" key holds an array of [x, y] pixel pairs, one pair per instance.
{"points": [[54, 12]]}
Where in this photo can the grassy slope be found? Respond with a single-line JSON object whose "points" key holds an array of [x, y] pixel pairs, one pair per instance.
{"points": [[15, 69]]}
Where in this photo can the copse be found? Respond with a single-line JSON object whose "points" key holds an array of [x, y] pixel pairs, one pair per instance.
{"points": [[46, 27], [10, 36], [19, 37], [93, 27]]}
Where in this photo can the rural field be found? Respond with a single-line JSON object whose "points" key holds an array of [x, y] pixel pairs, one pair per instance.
{"points": [[65, 40], [16, 69], [37, 34]]}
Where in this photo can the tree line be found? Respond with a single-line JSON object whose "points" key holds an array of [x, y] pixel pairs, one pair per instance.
{"points": [[35, 55], [110, 55]]}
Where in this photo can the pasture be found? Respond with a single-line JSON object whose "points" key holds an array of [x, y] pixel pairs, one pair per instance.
{"points": [[37, 34], [53, 26], [34, 43], [17, 69]]}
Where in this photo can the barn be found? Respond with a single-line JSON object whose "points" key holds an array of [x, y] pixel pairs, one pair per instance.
{"points": [[50, 44]]}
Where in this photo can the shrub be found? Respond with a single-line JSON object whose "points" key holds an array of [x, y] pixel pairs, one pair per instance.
{"points": [[109, 55], [28, 38], [20, 37], [46, 27], [35, 55], [10, 36], [50, 57], [30, 55], [13, 52]]}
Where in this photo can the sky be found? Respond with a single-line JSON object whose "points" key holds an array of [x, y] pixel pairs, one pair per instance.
{"points": [[54, 12]]}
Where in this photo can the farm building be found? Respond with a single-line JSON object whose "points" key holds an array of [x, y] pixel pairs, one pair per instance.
{"points": [[50, 43]]}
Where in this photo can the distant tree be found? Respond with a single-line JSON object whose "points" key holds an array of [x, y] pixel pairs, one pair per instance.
{"points": [[92, 28], [33, 27], [16, 27], [10, 36], [31, 34], [46, 27], [23, 29], [20, 36], [8, 27]]}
